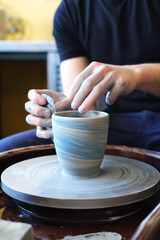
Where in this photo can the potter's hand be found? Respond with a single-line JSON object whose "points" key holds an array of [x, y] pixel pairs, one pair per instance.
{"points": [[40, 114], [98, 79]]}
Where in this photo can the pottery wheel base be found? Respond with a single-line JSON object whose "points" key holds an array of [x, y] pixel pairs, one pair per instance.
{"points": [[76, 216], [41, 182]]}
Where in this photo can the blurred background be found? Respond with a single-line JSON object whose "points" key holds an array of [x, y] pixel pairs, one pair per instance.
{"points": [[26, 57], [27, 19]]}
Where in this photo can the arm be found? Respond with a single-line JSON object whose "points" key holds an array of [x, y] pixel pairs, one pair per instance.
{"points": [[99, 78], [70, 68]]}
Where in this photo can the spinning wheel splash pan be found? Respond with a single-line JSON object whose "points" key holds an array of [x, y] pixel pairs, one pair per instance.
{"points": [[40, 181]]}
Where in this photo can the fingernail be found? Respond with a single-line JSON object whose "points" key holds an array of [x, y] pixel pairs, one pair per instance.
{"points": [[107, 100], [28, 118], [26, 106], [42, 102], [82, 109], [74, 105]]}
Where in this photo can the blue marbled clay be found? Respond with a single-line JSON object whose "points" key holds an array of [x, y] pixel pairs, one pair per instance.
{"points": [[80, 141]]}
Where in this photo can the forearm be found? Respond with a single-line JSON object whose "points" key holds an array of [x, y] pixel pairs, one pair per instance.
{"points": [[70, 68], [148, 77]]}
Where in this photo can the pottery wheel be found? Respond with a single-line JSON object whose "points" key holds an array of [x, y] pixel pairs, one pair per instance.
{"points": [[40, 181]]}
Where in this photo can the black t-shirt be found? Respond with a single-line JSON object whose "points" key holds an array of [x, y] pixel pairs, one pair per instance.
{"points": [[115, 32]]}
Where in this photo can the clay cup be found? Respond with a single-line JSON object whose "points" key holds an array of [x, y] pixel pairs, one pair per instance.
{"points": [[80, 141]]}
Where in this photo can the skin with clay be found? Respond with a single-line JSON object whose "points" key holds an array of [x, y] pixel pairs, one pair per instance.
{"points": [[84, 83]]}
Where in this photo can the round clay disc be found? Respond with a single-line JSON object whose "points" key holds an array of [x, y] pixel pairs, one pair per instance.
{"points": [[40, 181]]}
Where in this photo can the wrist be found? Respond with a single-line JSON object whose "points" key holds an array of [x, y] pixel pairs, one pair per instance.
{"points": [[140, 75], [148, 77]]}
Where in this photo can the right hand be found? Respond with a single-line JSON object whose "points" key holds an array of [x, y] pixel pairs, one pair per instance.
{"points": [[98, 79], [40, 115]]}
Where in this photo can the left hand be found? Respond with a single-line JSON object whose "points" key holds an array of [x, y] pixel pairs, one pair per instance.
{"points": [[39, 114], [98, 79]]}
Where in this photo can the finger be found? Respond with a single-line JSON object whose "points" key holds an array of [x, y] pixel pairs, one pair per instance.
{"points": [[37, 110], [86, 87], [117, 90], [32, 93], [44, 133], [36, 95], [37, 121], [91, 99], [78, 81], [98, 90], [63, 105], [50, 102]]}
